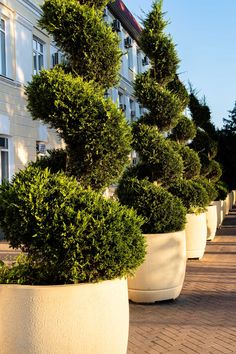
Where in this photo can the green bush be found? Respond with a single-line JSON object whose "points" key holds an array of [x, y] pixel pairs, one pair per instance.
{"points": [[95, 131], [158, 46], [204, 144], [163, 106], [162, 211], [193, 196], [89, 44], [209, 187], [221, 190], [55, 161], [185, 130], [159, 161], [191, 160], [210, 169], [70, 234], [215, 171], [177, 87]]}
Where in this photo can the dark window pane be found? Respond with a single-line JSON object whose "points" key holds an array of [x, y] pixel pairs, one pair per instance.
{"points": [[4, 165]]}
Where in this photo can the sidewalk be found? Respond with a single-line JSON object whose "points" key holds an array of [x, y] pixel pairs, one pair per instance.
{"points": [[203, 319]]}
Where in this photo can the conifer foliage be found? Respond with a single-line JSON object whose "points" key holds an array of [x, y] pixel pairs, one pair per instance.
{"points": [[161, 92], [70, 97]]}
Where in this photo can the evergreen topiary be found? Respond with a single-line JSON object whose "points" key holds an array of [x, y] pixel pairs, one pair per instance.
{"points": [[185, 130], [70, 98], [90, 45], [161, 211], [191, 160], [55, 160], [178, 88], [70, 234], [193, 195], [209, 187], [221, 190], [160, 162], [160, 91], [164, 107]]}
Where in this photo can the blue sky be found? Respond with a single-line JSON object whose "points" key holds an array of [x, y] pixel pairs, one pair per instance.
{"points": [[205, 34]]}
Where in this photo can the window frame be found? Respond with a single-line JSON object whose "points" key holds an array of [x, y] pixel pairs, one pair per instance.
{"points": [[5, 149], [3, 51], [37, 53]]}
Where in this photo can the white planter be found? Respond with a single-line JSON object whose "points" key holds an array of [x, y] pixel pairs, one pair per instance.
{"points": [[67, 319], [196, 235], [234, 196], [220, 211], [161, 276], [226, 205], [231, 199], [211, 220]]}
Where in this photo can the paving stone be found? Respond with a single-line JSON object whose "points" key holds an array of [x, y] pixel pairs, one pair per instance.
{"points": [[203, 319]]}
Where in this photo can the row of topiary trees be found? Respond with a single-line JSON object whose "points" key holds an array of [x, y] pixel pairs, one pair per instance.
{"points": [[169, 165], [69, 232]]}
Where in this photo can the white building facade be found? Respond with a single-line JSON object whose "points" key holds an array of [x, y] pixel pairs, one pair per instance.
{"points": [[24, 50]]}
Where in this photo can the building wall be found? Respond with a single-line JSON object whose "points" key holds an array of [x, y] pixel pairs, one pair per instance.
{"points": [[15, 122]]}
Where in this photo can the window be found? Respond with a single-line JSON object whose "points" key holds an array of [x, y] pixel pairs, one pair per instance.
{"points": [[41, 149], [132, 110], [4, 159], [2, 47], [121, 101], [38, 55], [130, 59]]}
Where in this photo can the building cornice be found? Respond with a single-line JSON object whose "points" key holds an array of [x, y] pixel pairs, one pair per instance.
{"points": [[129, 22], [32, 6]]}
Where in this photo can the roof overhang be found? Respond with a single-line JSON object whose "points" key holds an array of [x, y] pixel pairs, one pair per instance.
{"points": [[129, 22]]}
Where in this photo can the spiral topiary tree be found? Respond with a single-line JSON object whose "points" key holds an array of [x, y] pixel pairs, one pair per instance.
{"points": [[163, 95], [205, 141], [70, 232], [70, 98]]}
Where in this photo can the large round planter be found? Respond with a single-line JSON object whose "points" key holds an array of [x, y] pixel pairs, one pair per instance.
{"points": [[234, 196], [67, 319], [231, 200], [211, 220], [196, 235], [226, 205], [161, 276], [220, 211]]}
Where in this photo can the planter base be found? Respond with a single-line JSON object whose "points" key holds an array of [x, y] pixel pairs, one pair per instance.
{"points": [[151, 296], [196, 235], [161, 276], [195, 254], [69, 319]]}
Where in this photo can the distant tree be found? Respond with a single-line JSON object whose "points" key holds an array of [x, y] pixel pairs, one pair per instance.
{"points": [[230, 123], [227, 148]]}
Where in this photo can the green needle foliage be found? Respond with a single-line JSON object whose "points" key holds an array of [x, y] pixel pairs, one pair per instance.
{"points": [[89, 44], [161, 211], [160, 91], [94, 129], [193, 195], [71, 98], [69, 231], [158, 46], [185, 130], [70, 234]]}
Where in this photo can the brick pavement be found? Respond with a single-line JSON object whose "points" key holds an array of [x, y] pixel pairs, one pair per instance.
{"points": [[203, 319]]}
